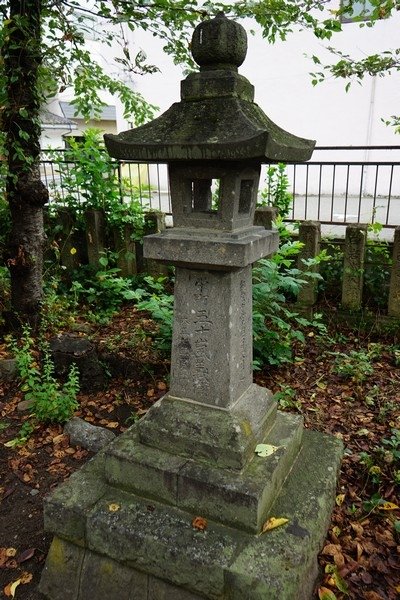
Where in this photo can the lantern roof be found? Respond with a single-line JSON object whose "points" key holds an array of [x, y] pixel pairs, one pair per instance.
{"points": [[217, 118]]}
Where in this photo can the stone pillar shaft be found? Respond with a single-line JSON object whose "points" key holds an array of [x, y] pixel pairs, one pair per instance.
{"points": [[212, 341]]}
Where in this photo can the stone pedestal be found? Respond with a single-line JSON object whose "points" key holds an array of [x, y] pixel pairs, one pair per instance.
{"points": [[129, 514]]}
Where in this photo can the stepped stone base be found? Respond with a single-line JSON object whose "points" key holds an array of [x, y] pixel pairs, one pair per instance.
{"points": [[126, 544]]}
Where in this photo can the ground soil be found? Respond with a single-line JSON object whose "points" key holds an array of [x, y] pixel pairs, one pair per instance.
{"points": [[360, 558]]}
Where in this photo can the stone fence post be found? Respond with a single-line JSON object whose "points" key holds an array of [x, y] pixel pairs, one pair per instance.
{"points": [[353, 266], [310, 237], [95, 234], [394, 289], [265, 216]]}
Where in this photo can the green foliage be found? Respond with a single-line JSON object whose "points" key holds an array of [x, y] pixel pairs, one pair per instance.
{"points": [[275, 326], [276, 191], [103, 291], [377, 269], [383, 460], [154, 298], [355, 365], [50, 401], [89, 180], [286, 398], [23, 436]]}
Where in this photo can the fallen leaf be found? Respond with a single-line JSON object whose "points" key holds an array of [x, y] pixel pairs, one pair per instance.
{"points": [[26, 577], [9, 590], [340, 583], [112, 424], [331, 549], [326, 594], [114, 507], [388, 506], [336, 531], [265, 450], [339, 499], [25, 555], [273, 522], [199, 523]]}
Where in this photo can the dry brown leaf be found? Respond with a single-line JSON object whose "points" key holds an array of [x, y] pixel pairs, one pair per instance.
{"points": [[112, 424], [357, 528], [199, 523], [331, 549], [26, 577]]}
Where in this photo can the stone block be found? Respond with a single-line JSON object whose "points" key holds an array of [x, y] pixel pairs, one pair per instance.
{"points": [[65, 510], [226, 438], [218, 563], [161, 590], [185, 247], [61, 575], [95, 236], [151, 473], [160, 540], [8, 369], [242, 500], [282, 563], [103, 578]]}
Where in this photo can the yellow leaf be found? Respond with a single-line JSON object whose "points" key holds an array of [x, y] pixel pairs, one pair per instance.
{"points": [[339, 499], [397, 588], [274, 522], [10, 552], [389, 506], [73, 251], [113, 507], [336, 530], [9, 590], [265, 450], [321, 385], [325, 594]]}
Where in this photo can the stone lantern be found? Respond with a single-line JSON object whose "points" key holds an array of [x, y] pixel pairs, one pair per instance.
{"points": [[189, 488]]}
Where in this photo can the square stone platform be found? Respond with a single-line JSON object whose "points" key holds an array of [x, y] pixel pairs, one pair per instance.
{"points": [[123, 524]]}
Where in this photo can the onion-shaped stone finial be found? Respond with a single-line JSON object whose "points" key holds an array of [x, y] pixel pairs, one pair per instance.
{"points": [[219, 43]]}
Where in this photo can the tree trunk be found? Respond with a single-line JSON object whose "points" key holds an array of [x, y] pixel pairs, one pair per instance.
{"points": [[25, 192]]}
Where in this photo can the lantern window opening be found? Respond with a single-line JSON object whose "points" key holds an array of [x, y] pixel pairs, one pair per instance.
{"points": [[205, 195], [246, 196]]}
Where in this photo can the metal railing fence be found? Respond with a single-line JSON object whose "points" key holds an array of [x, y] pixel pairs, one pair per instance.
{"points": [[340, 185]]}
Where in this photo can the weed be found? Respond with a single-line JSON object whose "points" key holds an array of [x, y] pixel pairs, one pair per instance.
{"points": [[104, 291], [275, 327], [276, 191], [4, 426], [356, 365], [23, 435], [286, 398], [50, 401]]}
